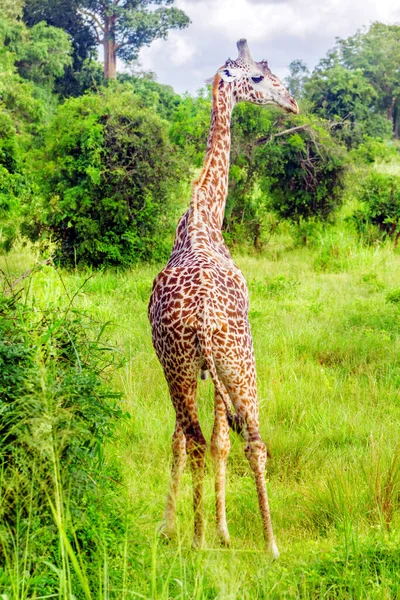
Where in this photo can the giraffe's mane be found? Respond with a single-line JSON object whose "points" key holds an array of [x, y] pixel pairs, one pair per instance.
{"points": [[197, 183]]}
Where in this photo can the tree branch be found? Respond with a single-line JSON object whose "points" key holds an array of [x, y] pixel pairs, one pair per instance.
{"points": [[94, 18], [268, 138], [124, 42]]}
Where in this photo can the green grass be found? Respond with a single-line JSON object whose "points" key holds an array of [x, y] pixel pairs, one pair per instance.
{"points": [[326, 328]]}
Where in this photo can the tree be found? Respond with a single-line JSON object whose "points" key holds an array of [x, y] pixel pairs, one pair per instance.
{"points": [[161, 98], [297, 78], [305, 169], [287, 165], [11, 9], [380, 197], [376, 55], [21, 115], [64, 15], [122, 27], [42, 54], [107, 177], [190, 125], [347, 97]]}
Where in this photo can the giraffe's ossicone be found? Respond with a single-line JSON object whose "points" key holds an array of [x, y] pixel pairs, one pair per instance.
{"points": [[199, 312]]}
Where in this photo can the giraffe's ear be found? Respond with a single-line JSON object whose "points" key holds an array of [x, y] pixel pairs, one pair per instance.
{"points": [[228, 74]]}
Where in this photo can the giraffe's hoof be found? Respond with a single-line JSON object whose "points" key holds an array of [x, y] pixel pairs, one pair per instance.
{"points": [[166, 531], [273, 550], [224, 537], [198, 543]]}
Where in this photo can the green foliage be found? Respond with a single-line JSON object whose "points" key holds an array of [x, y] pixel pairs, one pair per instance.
{"points": [[306, 172], [297, 78], [53, 363], [358, 82], [107, 175], [380, 195], [11, 9], [41, 53], [377, 53], [21, 114], [190, 125], [156, 96], [44, 55], [290, 166], [373, 150], [394, 296], [246, 214], [78, 76], [345, 96], [17, 96], [57, 409]]}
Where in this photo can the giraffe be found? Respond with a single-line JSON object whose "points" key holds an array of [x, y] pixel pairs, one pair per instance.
{"points": [[199, 314]]}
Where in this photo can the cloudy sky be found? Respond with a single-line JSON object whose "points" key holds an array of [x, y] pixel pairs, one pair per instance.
{"points": [[278, 30]]}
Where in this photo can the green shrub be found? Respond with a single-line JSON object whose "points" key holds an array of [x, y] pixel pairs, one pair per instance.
{"points": [[380, 194], [286, 166], [394, 296], [305, 172], [56, 410], [108, 175], [373, 149]]}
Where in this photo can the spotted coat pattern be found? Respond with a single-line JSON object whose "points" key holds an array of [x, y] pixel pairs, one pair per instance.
{"points": [[199, 316]]}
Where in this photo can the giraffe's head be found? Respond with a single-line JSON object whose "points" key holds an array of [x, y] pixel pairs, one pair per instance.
{"points": [[253, 81]]}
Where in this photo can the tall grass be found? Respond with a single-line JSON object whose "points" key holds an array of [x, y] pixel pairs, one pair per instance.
{"points": [[327, 343]]}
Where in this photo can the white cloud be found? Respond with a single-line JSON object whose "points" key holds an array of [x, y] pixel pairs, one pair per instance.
{"points": [[279, 30]]}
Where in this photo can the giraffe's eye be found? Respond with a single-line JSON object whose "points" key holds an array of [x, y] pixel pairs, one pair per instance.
{"points": [[257, 79]]}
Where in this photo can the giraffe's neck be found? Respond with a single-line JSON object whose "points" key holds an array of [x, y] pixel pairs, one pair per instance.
{"points": [[211, 188]]}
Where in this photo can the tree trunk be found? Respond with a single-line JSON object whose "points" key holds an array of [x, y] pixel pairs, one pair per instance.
{"points": [[396, 122], [389, 111], [110, 49]]}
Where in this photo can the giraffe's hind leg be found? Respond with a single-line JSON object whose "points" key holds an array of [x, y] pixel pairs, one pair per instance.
{"points": [[220, 446], [178, 465], [239, 377], [183, 395]]}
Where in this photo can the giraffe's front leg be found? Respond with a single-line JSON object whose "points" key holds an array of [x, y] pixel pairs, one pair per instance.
{"points": [[167, 527], [220, 446]]}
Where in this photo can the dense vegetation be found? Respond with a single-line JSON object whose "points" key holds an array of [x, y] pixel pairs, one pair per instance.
{"points": [[326, 326], [94, 174]]}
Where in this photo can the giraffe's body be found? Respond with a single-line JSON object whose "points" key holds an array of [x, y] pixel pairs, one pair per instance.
{"points": [[198, 312]]}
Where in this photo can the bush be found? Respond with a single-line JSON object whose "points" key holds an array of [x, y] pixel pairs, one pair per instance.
{"points": [[286, 166], [56, 410], [305, 172], [394, 296], [107, 176], [20, 115], [380, 194]]}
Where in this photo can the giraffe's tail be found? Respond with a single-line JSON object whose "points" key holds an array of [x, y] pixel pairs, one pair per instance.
{"points": [[204, 334]]}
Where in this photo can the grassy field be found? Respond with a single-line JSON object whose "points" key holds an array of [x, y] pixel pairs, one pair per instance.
{"points": [[326, 328]]}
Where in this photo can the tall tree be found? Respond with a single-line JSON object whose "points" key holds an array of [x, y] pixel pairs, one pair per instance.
{"points": [[122, 27], [11, 9], [348, 100], [64, 15], [297, 78], [376, 54]]}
